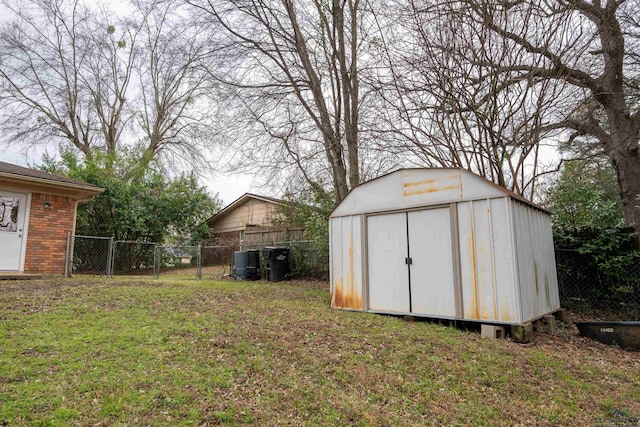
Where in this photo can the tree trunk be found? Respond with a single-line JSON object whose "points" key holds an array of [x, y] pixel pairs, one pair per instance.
{"points": [[349, 80], [338, 170], [623, 149], [627, 167]]}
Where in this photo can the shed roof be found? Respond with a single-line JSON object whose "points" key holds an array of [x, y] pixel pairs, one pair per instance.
{"points": [[19, 173], [417, 187]]}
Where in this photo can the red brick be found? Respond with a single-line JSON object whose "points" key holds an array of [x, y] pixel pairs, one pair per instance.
{"points": [[47, 238]]}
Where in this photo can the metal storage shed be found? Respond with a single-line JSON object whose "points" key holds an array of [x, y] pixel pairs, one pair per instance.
{"points": [[442, 243]]}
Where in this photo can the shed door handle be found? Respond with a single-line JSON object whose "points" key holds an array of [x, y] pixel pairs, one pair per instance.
{"points": [[408, 261]]}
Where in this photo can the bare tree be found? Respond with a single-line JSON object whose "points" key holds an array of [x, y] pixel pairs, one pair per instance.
{"points": [[102, 82], [172, 113], [448, 108], [292, 83], [63, 75], [579, 58]]}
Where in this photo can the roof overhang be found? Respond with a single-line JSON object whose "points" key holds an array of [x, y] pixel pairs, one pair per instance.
{"points": [[78, 191]]}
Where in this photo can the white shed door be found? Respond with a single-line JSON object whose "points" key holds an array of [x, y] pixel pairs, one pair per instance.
{"points": [[12, 214], [410, 263], [387, 254], [431, 270]]}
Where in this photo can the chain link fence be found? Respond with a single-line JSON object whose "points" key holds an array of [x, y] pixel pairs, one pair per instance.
{"points": [[91, 255], [216, 261], [586, 289], [107, 256], [133, 258], [177, 261], [583, 286]]}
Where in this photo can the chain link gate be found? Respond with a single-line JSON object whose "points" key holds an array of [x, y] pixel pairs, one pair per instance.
{"points": [[217, 261], [88, 255], [179, 262]]}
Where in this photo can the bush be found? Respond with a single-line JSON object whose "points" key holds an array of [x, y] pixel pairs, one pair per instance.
{"points": [[587, 218]]}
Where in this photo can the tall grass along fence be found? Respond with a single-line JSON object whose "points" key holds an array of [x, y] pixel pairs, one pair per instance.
{"points": [[108, 256], [609, 291]]}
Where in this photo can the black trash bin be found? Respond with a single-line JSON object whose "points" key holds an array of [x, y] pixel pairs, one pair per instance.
{"points": [[240, 260], [253, 264], [277, 260]]}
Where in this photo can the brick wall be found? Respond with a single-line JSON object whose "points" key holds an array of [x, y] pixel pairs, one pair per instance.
{"points": [[48, 228]]}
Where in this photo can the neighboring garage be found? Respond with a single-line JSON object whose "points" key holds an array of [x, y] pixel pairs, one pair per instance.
{"points": [[37, 211], [442, 243]]}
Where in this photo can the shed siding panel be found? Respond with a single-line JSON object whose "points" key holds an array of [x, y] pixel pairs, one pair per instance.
{"points": [[335, 254], [351, 267], [486, 261], [536, 262], [526, 261], [475, 188], [346, 253], [487, 307], [504, 262]]}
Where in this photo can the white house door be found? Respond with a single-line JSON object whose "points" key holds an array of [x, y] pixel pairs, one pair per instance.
{"points": [[13, 207]]}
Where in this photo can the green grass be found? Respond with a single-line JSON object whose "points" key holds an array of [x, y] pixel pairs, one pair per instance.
{"points": [[187, 353]]}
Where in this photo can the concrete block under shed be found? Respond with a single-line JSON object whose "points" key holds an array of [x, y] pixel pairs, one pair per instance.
{"points": [[492, 331]]}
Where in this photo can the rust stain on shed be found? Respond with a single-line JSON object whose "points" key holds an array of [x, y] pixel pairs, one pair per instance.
{"points": [[535, 273], [336, 298], [472, 310], [480, 283], [546, 290], [346, 297], [430, 190], [346, 294], [352, 300], [484, 312], [415, 183], [505, 313]]}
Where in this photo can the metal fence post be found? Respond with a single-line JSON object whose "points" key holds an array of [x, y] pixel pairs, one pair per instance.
{"points": [[67, 255], [110, 257], [156, 262], [199, 262]]}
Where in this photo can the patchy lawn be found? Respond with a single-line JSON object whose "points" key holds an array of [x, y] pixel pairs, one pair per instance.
{"points": [[141, 352]]}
